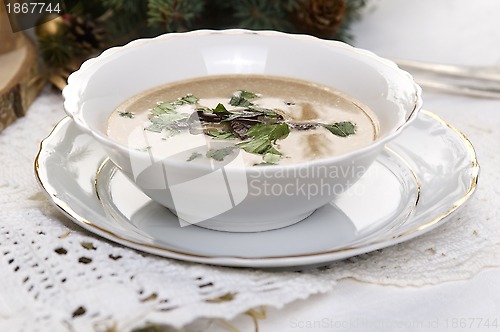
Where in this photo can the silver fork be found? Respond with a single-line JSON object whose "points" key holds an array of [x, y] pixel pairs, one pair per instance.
{"points": [[476, 81]]}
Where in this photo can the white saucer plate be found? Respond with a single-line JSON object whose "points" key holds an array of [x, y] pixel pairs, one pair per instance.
{"points": [[421, 178]]}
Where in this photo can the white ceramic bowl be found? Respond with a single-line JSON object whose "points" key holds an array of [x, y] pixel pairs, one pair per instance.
{"points": [[233, 197]]}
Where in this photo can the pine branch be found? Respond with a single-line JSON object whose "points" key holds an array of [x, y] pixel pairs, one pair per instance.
{"points": [[289, 5], [125, 20], [56, 50], [82, 8], [263, 14], [173, 15], [124, 5], [353, 14]]}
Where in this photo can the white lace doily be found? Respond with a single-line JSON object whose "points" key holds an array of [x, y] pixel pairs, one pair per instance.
{"points": [[58, 277]]}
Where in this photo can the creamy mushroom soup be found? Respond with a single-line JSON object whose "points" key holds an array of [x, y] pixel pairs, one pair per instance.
{"points": [[269, 120]]}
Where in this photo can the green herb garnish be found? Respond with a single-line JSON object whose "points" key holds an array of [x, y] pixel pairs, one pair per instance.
{"points": [[271, 131], [169, 107], [220, 154], [239, 101], [165, 117], [129, 115], [194, 155], [247, 94], [167, 121], [259, 145], [220, 134], [221, 110], [262, 138], [265, 111], [271, 158], [342, 129], [242, 98], [162, 109], [189, 99], [258, 128]]}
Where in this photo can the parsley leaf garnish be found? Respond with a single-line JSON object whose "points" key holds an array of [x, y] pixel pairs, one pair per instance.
{"points": [[247, 94], [262, 138], [239, 101], [220, 134], [221, 110], [168, 121], [194, 155], [342, 129], [271, 158], [266, 111], [241, 98], [259, 145], [189, 99], [219, 154], [271, 131], [129, 115], [169, 107]]}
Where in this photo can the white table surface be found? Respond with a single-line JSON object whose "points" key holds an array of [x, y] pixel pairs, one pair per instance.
{"points": [[447, 31]]}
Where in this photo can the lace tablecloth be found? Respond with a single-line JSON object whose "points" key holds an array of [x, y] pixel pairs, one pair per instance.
{"points": [[58, 277]]}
